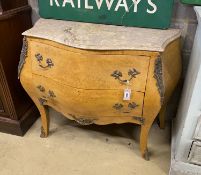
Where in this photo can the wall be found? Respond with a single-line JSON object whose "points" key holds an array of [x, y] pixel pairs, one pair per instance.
{"points": [[188, 113], [34, 5], [185, 19]]}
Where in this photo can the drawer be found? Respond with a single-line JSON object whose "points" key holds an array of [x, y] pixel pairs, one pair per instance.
{"points": [[89, 71], [90, 103]]}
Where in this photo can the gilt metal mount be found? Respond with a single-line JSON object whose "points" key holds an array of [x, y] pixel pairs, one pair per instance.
{"points": [[118, 74], [131, 106], [49, 62], [42, 101], [51, 94], [118, 106], [41, 88], [23, 55], [140, 119], [82, 120], [158, 75], [43, 135]]}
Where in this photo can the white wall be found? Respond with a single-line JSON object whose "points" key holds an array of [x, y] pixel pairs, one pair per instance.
{"points": [[188, 113], [189, 110], [34, 5]]}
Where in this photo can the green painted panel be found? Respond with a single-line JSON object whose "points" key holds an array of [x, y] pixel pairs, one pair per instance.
{"points": [[194, 2], [140, 13]]}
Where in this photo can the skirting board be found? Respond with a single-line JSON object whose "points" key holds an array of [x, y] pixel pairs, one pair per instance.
{"points": [[178, 167], [19, 127]]}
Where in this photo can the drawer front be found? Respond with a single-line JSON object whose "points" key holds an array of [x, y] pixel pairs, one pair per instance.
{"points": [[87, 103], [89, 71]]}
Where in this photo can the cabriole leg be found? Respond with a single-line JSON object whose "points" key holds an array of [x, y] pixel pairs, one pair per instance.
{"points": [[45, 122], [44, 117], [143, 140]]}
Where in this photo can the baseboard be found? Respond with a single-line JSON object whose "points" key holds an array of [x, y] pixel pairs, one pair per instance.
{"points": [[179, 167], [20, 127]]}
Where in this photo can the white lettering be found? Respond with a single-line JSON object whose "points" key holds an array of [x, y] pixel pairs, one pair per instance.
{"points": [[121, 3], [109, 4], [79, 4], [51, 3], [154, 7], [151, 9], [87, 6], [68, 1], [136, 2], [99, 3]]}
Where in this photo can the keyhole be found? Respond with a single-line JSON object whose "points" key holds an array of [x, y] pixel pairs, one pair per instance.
{"points": [[126, 95]]}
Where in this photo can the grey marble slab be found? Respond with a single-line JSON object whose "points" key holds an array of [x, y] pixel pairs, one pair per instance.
{"points": [[102, 37]]}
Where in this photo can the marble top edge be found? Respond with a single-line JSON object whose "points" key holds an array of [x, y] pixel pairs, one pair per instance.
{"points": [[102, 37]]}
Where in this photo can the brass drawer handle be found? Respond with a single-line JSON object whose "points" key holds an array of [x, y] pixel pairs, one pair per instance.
{"points": [[132, 73], [51, 94], [49, 62], [41, 88], [44, 98], [118, 106], [131, 106]]}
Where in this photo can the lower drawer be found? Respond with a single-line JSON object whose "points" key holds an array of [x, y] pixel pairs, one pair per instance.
{"points": [[89, 103]]}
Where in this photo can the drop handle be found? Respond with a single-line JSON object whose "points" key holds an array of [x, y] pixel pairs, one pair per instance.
{"points": [[132, 105], [119, 106], [132, 73], [45, 97], [49, 62], [51, 93]]}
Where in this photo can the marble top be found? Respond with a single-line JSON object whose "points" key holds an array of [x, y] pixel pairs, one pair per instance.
{"points": [[102, 37]]}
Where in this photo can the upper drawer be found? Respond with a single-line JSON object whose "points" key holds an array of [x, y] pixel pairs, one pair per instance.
{"points": [[89, 71]]}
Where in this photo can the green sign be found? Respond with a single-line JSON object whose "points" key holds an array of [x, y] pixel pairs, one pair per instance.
{"points": [[140, 13], [195, 2]]}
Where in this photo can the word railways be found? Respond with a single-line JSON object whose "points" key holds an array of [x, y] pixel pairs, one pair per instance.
{"points": [[111, 5]]}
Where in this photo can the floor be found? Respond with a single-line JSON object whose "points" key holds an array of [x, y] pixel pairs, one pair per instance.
{"points": [[90, 150]]}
